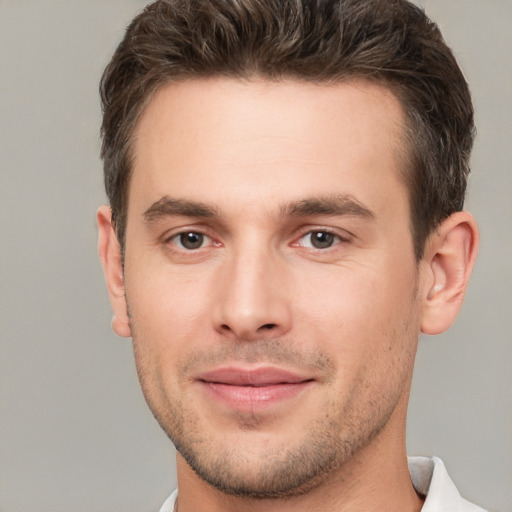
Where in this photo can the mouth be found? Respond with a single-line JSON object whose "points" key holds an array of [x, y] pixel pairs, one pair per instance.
{"points": [[250, 389]]}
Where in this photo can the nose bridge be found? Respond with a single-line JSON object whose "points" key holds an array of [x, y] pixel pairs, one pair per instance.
{"points": [[253, 300]]}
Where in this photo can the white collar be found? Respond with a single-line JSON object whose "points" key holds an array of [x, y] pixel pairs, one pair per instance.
{"points": [[430, 478]]}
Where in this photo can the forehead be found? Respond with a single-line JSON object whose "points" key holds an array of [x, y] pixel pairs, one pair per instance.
{"points": [[265, 138]]}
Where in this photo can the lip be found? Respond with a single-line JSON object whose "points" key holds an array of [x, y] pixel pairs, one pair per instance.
{"points": [[253, 389]]}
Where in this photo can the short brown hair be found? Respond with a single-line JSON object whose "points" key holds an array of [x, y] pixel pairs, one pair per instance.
{"points": [[391, 42]]}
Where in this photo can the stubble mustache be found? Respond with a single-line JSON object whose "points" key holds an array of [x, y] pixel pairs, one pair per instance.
{"points": [[278, 352]]}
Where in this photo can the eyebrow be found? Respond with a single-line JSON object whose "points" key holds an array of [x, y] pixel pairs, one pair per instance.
{"points": [[328, 205], [167, 207], [325, 205]]}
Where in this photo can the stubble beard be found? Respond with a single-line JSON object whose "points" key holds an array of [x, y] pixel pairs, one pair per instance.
{"points": [[325, 447], [298, 468]]}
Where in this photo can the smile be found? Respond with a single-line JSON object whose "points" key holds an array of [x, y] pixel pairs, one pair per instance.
{"points": [[249, 389]]}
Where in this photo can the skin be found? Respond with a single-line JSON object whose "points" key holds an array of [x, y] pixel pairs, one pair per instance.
{"points": [[258, 172]]}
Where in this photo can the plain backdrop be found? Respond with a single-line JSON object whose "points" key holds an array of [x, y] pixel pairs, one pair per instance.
{"points": [[75, 432]]}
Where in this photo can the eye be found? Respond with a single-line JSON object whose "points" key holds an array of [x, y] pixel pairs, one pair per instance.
{"points": [[319, 239], [190, 240]]}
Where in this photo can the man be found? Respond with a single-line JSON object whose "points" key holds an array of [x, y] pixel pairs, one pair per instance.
{"points": [[286, 182]]}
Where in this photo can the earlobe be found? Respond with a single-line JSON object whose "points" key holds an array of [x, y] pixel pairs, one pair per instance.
{"points": [[110, 256], [450, 255]]}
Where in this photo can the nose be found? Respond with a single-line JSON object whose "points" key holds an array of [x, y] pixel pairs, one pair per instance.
{"points": [[253, 299]]}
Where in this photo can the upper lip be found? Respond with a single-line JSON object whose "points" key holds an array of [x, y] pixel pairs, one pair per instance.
{"points": [[257, 377]]}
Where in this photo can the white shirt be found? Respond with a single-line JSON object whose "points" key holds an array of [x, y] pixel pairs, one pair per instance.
{"points": [[429, 477]]}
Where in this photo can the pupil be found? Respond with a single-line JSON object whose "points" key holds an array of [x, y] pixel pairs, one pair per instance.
{"points": [[191, 240], [321, 239]]}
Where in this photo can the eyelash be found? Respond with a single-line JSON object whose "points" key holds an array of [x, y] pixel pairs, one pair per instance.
{"points": [[333, 238], [177, 238], [337, 239]]}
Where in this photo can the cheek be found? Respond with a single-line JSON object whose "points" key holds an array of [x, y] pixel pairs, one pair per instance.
{"points": [[168, 317], [355, 309], [166, 301]]}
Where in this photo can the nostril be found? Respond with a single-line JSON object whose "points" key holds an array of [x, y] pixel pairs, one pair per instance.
{"points": [[249, 332]]}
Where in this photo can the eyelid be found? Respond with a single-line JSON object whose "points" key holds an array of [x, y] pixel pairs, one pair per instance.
{"points": [[173, 234], [207, 241], [170, 235], [343, 235]]}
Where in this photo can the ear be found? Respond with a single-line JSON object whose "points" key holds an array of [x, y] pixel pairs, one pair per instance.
{"points": [[110, 256], [450, 254]]}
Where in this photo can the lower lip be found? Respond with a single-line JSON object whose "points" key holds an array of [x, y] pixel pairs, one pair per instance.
{"points": [[251, 397]]}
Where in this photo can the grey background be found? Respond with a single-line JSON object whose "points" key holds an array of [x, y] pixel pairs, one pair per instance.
{"points": [[75, 433]]}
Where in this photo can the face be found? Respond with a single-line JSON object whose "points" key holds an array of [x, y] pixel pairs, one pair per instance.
{"points": [[270, 277]]}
